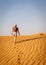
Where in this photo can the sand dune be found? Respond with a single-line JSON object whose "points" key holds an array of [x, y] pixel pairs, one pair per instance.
{"points": [[28, 50]]}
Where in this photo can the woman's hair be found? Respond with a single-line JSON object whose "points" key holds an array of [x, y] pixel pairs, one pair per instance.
{"points": [[15, 25]]}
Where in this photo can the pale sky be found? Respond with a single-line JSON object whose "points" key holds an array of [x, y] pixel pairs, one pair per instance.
{"points": [[29, 15]]}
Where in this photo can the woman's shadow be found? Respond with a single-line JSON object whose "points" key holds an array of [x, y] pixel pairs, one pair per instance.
{"points": [[28, 39]]}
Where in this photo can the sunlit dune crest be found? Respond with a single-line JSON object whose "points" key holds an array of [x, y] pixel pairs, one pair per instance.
{"points": [[28, 50]]}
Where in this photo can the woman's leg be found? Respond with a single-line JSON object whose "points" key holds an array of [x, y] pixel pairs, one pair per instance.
{"points": [[14, 38]]}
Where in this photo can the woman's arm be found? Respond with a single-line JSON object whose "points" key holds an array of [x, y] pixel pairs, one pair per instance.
{"points": [[18, 32]]}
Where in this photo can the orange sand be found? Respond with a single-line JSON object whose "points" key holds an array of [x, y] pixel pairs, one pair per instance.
{"points": [[28, 50]]}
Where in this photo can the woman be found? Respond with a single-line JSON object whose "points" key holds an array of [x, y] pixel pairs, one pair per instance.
{"points": [[15, 30]]}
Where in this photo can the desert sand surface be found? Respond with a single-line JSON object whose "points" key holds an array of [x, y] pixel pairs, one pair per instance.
{"points": [[28, 50]]}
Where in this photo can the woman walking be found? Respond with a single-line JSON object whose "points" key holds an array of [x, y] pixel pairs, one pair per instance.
{"points": [[15, 30]]}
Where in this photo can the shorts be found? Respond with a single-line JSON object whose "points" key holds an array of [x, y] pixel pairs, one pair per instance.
{"points": [[14, 33]]}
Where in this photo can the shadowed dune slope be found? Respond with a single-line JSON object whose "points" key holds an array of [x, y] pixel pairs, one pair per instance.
{"points": [[28, 50]]}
